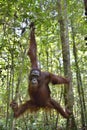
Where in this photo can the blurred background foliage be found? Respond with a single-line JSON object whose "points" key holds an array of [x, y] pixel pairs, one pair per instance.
{"points": [[15, 17]]}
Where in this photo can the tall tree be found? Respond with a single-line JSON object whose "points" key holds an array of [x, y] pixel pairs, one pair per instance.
{"points": [[79, 81], [62, 15]]}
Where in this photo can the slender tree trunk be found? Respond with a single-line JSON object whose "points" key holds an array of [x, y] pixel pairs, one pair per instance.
{"points": [[79, 82], [8, 93], [12, 86], [69, 99]]}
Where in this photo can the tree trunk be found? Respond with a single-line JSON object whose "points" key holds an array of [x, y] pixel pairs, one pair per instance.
{"points": [[8, 94], [69, 99], [79, 82]]}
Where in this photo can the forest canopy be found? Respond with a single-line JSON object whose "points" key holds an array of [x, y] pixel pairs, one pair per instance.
{"points": [[61, 36]]}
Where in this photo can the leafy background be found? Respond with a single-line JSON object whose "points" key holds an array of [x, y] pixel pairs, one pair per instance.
{"points": [[15, 17]]}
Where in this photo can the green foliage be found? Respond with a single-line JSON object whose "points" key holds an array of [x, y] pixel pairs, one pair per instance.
{"points": [[14, 63]]}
